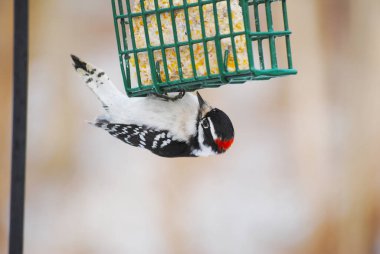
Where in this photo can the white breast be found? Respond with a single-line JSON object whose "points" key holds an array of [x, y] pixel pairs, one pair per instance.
{"points": [[178, 117]]}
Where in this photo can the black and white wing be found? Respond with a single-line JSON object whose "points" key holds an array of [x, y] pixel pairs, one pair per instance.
{"points": [[159, 142]]}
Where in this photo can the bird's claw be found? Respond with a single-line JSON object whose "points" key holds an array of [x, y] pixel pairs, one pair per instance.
{"points": [[166, 97]]}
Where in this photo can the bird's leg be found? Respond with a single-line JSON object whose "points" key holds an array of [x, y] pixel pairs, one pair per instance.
{"points": [[166, 97]]}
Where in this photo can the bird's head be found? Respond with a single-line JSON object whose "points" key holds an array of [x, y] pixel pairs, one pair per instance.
{"points": [[215, 129]]}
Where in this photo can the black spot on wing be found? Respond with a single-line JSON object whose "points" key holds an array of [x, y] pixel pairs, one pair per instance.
{"points": [[157, 141]]}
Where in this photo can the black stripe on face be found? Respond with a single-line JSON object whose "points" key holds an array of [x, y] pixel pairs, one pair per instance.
{"points": [[208, 139]]}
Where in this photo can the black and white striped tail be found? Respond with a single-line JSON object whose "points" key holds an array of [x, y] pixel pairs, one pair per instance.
{"points": [[98, 81], [86, 69]]}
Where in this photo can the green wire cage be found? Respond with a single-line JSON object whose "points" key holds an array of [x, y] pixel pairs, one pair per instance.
{"points": [[174, 45]]}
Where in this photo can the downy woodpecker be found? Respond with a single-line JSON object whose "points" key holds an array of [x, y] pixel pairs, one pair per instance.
{"points": [[187, 127]]}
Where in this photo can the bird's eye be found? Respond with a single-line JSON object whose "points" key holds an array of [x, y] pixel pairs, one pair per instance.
{"points": [[205, 124]]}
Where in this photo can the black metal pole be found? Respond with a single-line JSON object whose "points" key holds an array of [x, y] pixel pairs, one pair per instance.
{"points": [[20, 90]]}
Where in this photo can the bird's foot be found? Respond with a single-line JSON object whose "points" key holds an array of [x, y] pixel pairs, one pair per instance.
{"points": [[166, 97]]}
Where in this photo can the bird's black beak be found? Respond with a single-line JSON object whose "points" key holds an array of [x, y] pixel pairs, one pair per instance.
{"points": [[200, 100], [204, 108]]}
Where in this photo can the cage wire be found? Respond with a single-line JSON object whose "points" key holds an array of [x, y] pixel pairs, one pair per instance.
{"points": [[174, 45]]}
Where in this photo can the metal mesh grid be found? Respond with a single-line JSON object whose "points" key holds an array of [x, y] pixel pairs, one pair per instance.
{"points": [[262, 37]]}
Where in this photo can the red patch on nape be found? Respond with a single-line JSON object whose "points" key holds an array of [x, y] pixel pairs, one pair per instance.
{"points": [[223, 145]]}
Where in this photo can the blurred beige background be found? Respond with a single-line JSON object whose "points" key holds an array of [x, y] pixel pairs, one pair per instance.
{"points": [[303, 176]]}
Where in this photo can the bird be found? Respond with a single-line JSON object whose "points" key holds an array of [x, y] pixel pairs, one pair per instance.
{"points": [[183, 127]]}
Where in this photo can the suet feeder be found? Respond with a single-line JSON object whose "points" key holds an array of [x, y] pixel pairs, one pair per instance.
{"points": [[176, 45]]}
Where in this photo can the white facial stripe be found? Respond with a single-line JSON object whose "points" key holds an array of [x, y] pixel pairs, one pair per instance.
{"points": [[212, 128], [201, 136], [203, 149]]}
